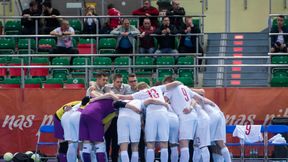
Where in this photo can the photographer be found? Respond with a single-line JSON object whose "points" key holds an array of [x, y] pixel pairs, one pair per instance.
{"points": [[278, 42]]}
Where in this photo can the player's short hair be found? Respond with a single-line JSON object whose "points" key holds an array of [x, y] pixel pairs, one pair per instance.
{"points": [[101, 74], [142, 85], [158, 83], [281, 16], [110, 6], [115, 76], [131, 75], [168, 79]]}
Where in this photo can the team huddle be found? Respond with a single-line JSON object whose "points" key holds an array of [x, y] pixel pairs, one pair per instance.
{"points": [[170, 114]]}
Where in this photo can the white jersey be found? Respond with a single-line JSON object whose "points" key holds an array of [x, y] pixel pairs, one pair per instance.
{"points": [[155, 93], [180, 98], [126, 112]]}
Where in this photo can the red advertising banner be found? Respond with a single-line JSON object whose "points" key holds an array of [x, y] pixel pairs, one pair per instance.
{"points": [[24, 110]]}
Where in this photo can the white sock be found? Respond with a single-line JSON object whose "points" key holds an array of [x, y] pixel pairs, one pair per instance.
{"points": [[150, 155], [196, 154], [93, 155], [164, 155], [81, 156], [124, 156], [205, 154], [217, 158], [72, 152], [226, 155], [174, 154], [184, 156], [135, 157]]}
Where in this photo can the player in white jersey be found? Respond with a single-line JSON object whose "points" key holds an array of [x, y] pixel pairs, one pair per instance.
{"points": [[157, 124], [129, 127], [173, 133], [181, 98], [217, 133]]}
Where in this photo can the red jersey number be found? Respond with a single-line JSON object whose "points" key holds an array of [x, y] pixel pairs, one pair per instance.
{"points": [[153, 93], [184, 92]]}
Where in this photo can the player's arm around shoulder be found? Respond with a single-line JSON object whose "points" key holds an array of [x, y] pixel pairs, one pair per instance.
{"points": [[172, 85], [156, 102]]}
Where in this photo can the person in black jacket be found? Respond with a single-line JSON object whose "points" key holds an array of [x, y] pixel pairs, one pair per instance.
{"points": [[166, 41], [27, 22], [50, 23], [89, 24], [278, 42], [176, 14], [188, 44]]}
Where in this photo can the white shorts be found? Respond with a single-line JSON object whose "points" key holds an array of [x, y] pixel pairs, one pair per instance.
{"points": [[73, 129], [65, 124], [217, 127], [187, 125], [173, 128], [202, 136], [128, 129], [156, 126]]}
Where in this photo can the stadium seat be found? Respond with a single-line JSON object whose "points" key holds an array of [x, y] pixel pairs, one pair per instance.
{"points": [[134, 22], [11, 83], [60, 73], [101, 61], [80, 61], [144, 61], [33, 83], [16, 72], [186, 72], [12, 27], [196, 22], [87, 46], [279, 60], [166, 71], [188, 81], [46, 44], [121, 61], [76, 25], [46, 138], [54, 83], [279, 78], [23, 46], [3, 71], [39, 72], [146, 80], [107, 46], [75, 83], [7, 46]]}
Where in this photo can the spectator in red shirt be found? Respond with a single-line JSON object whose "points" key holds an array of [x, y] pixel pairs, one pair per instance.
{"points": [[146, 41], [147, 10], [112, 11]]}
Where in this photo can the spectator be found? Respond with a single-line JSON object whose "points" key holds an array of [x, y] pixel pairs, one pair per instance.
{"points": [[188, 43], [90, 23], [163, 4], [176, 10], [147, 10], [126, 34], [27, 22], [50, 23], [146, 41], [278, 42], [64, 39], [115, 21], [166, 42]]}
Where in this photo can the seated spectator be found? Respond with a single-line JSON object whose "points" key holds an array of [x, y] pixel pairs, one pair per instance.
{"points": [[147, 10], [188, 43], [166, 42], [50, 23], [126, 34], [176, 10], [146, 41], [27, 22], [114, 21], [90, 23], [278, 42], [64, 39]]}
